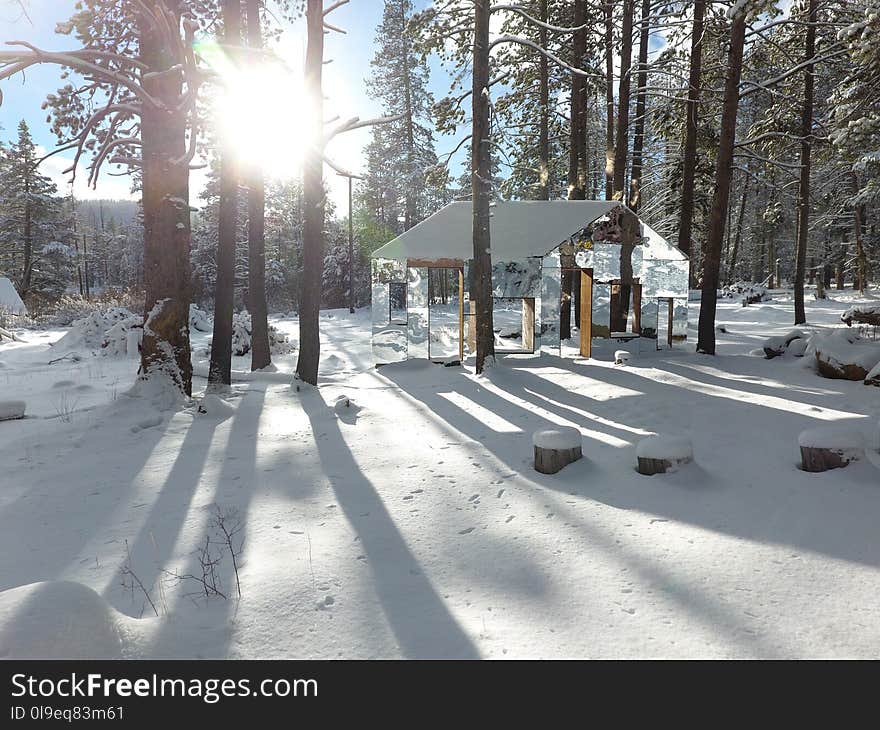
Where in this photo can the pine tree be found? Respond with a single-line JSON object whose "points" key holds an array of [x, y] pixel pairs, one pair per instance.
{"points": [[400, 153], [30, 214]]}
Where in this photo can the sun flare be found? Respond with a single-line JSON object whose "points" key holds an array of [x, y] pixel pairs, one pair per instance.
{"points": [[263, 113]]}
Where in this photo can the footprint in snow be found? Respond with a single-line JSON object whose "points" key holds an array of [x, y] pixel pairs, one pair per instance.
{"points": [[510, 518], [466, 531]]}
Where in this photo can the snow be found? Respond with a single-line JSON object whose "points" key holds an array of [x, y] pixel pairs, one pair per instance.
{"points": [[10, 409], [674, 449], [559, 438], [420, 517], [831, 438], [9, 300]]}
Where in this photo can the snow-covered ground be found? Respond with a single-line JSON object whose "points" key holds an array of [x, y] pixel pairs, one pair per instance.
{"points": [[410, 523]]}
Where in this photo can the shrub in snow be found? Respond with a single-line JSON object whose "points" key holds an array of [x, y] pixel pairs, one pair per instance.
{"points": [[776, 346], [748, 293], [241, 337], [107, 329], [843, 355], [830, 447], [662, 453]]}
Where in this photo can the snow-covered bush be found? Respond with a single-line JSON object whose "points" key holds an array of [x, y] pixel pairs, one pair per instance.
{"points": [[70, 308], [241, 337], [106, 330], [749, 293], [199, 320]]}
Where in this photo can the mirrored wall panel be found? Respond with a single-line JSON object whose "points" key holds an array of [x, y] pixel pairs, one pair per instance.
{"points": [[551, 290], [417, 314], [512, 279], [649, 318], [443, 302], [606, 261], [601, 310], [680, 318], [667, 278]]}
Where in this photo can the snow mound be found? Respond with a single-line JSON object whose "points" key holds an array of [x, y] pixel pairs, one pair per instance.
{"points": [[57, 620], [832, 437], [674, 449], [106, 329], [10, 409], [559, 438], [214, 406], [621, 357]]}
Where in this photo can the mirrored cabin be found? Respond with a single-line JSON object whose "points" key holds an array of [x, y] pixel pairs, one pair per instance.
{"points": [[563, 274]]}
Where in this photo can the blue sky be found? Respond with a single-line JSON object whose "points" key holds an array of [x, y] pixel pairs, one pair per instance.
{"points": [[344, 84]]}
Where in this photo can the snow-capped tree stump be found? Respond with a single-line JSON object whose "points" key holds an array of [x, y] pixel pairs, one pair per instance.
{"points": [[830, 448], [11, 409], [556, 448], [661, 454]]}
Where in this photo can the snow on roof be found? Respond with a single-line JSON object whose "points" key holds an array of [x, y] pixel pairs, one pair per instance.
{"points": [[518, 229], [9, 299]]}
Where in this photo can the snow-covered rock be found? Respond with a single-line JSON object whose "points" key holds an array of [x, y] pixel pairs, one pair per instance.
{"points": [[843, 355], [866, 314], [873, 376], [621, 357], [558, 438], [776, 346], [11, 409]]}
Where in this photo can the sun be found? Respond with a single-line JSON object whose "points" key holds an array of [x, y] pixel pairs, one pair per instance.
{"points": [[263, 114], [260, 109]]}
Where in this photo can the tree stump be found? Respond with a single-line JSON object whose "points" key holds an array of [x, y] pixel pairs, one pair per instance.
{"points": [[829, 448], [556, 448], [660, 454]]}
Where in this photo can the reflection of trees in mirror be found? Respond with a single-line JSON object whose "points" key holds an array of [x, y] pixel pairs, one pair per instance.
{"points": [[397, 297]]}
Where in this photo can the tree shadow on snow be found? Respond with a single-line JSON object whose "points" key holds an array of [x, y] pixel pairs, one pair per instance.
{"points": [[416, 614]]}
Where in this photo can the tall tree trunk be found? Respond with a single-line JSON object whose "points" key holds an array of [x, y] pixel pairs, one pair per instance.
{"points": [[481, 172], [608, 9], [410, 213], [731, 267], [165, 190], [621, 146], [689, 160], [220, 368], [715, 237], [313, 201], [620, 304], [261, 356], [861, 259], [577, 140], [803, 206], [635, 185], [543, 191]]}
